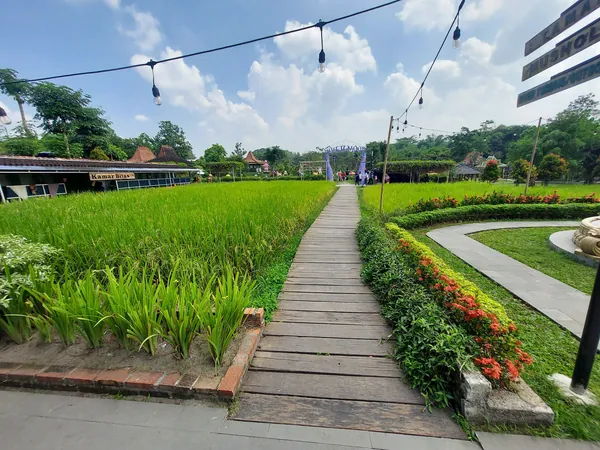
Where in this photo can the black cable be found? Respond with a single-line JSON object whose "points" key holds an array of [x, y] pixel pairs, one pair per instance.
{"points": [[462, 3], [431, 129], [204, 52]]}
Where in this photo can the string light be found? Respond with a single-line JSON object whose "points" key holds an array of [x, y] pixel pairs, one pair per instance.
{"points": [[4, 117], [421, 99], [456, 35], [322, 53]]}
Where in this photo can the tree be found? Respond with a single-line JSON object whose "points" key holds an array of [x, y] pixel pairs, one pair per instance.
{"points": [[59, 108], [552, 167], [215, 153], [55, 144], [519, 171], [98, 154], [21, 146], [116, 153], [239, 150], [18, 91], [143, 140], [173, 136], [491, 172], [91, 130]]}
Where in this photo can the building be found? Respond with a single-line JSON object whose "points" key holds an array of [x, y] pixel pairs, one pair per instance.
{"points": [[166, 154], [22, 177], [464, 172], [253, 162]]}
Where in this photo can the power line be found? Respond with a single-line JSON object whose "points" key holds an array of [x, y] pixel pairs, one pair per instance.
{"points": [[151, 63]]}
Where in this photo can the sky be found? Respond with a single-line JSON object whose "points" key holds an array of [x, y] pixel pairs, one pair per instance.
{"points": [[271, 93]]}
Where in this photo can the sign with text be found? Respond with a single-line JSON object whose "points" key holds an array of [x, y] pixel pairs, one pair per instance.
{"points": [[568, 18], [572, 45], [101, 176], [579, 74]]}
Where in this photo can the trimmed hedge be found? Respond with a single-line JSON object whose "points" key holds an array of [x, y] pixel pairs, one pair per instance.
{"points": [[429, 347], [260, 178], [576, 211], [484, 319], [411, 166]]}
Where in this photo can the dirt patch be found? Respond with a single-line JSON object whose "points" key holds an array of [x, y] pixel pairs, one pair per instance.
{"points": [[112, 356]]}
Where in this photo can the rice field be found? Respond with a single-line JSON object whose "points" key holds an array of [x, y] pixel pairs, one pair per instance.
{"points": [[399, 196], [200, 229]]}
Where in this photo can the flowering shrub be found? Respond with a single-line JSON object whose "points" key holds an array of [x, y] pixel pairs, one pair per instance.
{"points": [[496, 198], [499, 356]]}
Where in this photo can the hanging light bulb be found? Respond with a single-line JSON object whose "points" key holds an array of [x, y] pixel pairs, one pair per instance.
{"points": [[456, 35], [4, 117], [155, 91], [421, 103], [321, 24]]}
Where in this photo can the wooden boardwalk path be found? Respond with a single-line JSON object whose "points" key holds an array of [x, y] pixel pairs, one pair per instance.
{"points": [[323, 360]]}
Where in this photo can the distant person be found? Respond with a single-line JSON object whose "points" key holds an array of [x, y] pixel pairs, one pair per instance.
{"points": [[387, 179], [356, 179], [98, 186]]}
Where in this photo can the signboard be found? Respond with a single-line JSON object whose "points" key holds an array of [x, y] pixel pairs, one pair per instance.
{"points": [[347, 148], [568, 18], [572, 45], [579, 74], [106, 176]]}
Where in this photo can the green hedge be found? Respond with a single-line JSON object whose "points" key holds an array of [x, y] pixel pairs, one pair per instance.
{"points": [[429, 347], [418, 166], [261, 178], [485, 212]]}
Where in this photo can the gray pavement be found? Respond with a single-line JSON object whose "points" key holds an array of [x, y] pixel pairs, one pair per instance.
{"points": [[561, 303], [49, 421]]}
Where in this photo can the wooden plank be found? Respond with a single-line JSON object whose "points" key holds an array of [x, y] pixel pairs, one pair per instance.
{"points": [[346, 318], [318, 267], [358, 307], [323, 282], [339, 365], [355, 274], [331, 346], [352, 415], [327, 297], [339, 387], [325, 330], [328, 258], [324, 288]]}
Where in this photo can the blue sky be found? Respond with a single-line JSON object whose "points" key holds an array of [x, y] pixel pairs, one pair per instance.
{"points": [[270, 93]]}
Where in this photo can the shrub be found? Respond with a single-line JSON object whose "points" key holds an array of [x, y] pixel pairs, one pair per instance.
{"points": [[429, 347], [485, 212], [552, 167], [491, 171], [484, 319], [99, 154], [55, 144], [21, 146], [519, 171]]}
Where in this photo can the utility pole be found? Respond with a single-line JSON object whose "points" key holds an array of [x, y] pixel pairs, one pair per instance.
{"points": [[385, 161], [537, 136]]}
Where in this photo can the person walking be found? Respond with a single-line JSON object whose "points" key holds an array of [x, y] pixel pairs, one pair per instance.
{"points": [[356, 179]]}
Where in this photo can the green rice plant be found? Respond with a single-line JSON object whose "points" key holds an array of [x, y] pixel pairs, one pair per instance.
{"points": [[143, 317], [85, 304], [117, 305], [42, 325], [221, 322], [15, 317], [179, 307], [59, 314]]}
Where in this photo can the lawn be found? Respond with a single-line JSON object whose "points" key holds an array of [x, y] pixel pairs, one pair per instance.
{"points": [[398, 196], [553, 348], [530, 246]]}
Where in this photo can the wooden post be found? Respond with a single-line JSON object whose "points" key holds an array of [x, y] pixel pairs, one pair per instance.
{"points": [[387, 149], [537, 136]]}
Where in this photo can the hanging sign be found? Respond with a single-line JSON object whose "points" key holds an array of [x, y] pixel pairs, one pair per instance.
{"points": [[568, 18], [579, 74], [572, 45], [106, 176], [346, 148]]}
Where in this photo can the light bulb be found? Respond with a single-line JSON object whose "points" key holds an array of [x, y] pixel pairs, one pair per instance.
{"points": [[321, 67], [157, 101], [456, 37], [322, 61], [156, 95], [456, 43], [421, 103]]}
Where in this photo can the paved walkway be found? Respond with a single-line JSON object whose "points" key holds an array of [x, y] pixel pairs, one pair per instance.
{"points": [[563, 304], [323, 359]]}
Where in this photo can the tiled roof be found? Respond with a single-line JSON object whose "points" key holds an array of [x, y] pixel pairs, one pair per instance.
{"points": [[142, 154], [167, 154], [251, 159]]}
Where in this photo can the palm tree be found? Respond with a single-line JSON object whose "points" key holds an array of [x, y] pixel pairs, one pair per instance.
{"points": [[18, 91]]}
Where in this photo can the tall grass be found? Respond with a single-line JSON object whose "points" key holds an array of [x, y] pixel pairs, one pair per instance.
{"points": [[401, 195], [203, 228]]}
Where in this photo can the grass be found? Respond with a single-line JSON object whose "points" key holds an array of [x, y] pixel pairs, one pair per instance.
{"points": [[530, 246], [398, 196], [553, 348]]}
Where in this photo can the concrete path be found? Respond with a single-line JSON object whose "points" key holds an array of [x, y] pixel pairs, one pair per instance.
{"points": [[323, 360], [36, 421], [563, 304]]}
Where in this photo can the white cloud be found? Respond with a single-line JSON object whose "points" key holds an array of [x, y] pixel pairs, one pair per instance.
{"points": [[482, 9], [141, 118], [477, 51], [443, 66], [427, 14], [247, 95], [145, 32], [403, 88], [348, 50], [114, 4]]}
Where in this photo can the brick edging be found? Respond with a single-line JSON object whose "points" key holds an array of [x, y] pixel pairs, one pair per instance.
{"points": [[126, 380]]}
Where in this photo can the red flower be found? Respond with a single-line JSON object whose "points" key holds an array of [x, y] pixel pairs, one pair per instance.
{"points": [[513, 372], [512, 327]]}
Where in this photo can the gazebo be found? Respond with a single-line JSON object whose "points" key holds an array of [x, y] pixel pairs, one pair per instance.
{"points": [[465, 172], [253, 162]]}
